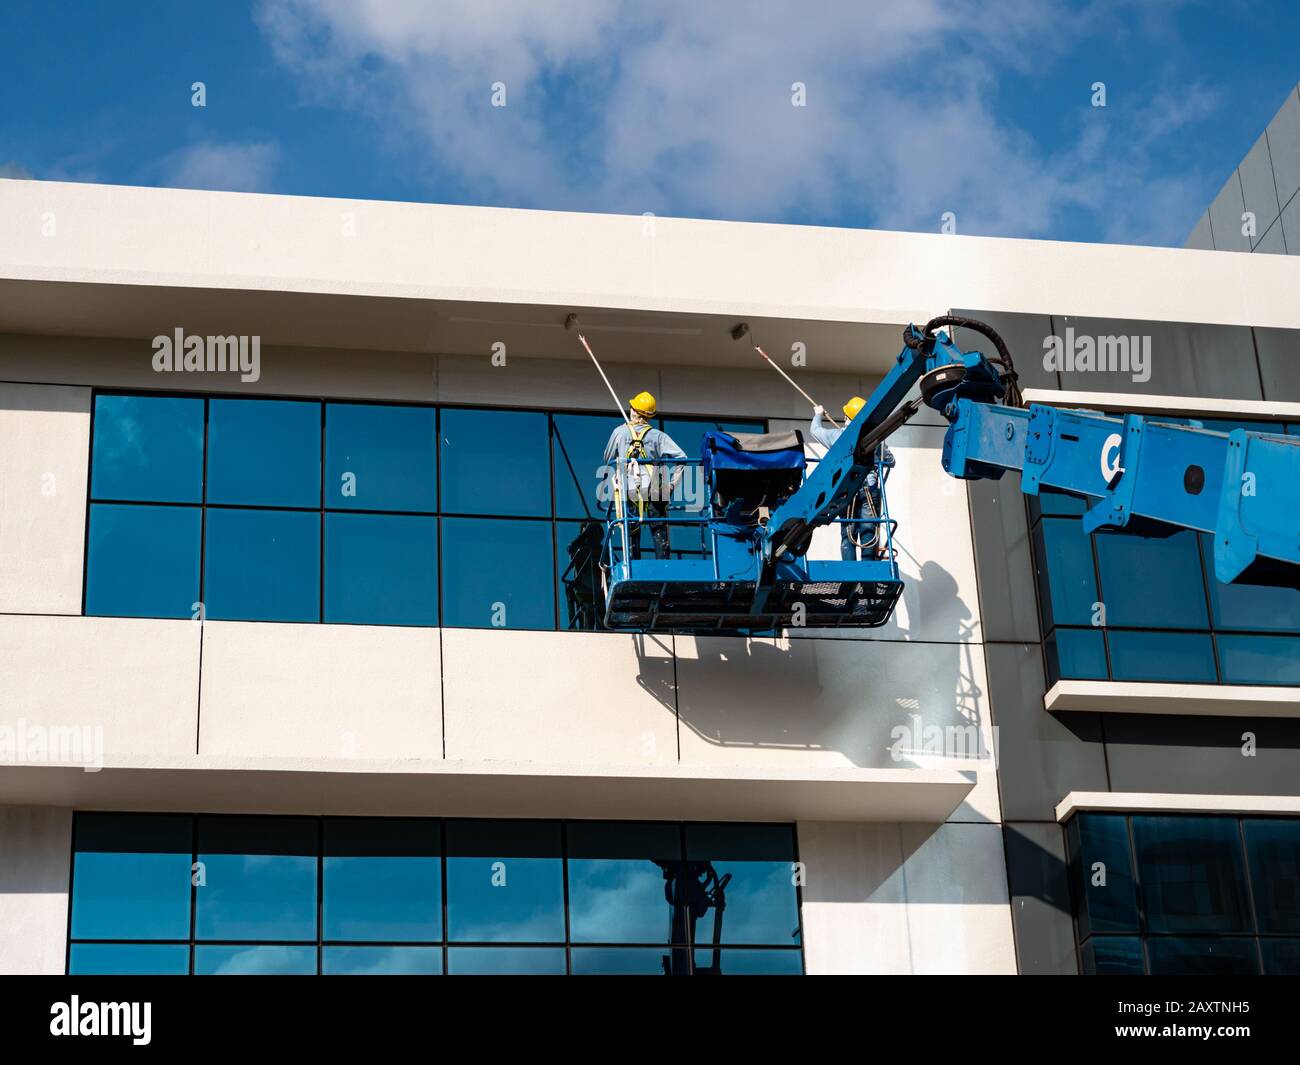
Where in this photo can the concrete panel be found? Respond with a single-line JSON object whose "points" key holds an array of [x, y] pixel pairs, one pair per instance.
{"points": [[1185, 359], [563, 697], [320, 691], [1201, 237], [130, 683], [865, 703], [1040, 899], [44, 452], [958, 916], [753, 393], [1258, 191], [1284, 147], [854, 899], [36, 842], [1003, 559], [530, 382], [1041, 756], [1279, 362], [1225, 216]]}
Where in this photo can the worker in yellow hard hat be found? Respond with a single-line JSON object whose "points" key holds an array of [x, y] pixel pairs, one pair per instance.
{"points": [[634, 448], [857, 536]]}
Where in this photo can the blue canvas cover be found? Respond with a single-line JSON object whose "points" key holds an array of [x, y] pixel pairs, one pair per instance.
{"points": [[752, 451]]}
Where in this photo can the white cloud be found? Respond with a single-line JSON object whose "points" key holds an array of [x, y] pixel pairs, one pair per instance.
{"points": [[229, 167], [686, 108]]}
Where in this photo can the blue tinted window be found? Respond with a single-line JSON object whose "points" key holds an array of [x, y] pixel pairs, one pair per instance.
{"points": [[1067, 578], [129, 959], [1152, 582], [1103, 873], [148, 448], [627, 961], [260, 875], [497, 573], [1273, 850], [264, 452], [381, 569], [1077, 653], [381, 961], [1113, 956], [254, 961], [383, 881], [131, 877], [380, 457], [503, 961], [262, 565], [578, 449], [143, 561], [1259, 659], [619, 878], [580, 588], [505, 882], [1059, 503], [1192, 874], [759, 901], [748, 963], [1161, 656], [1250, 606], [495, 462], [1204, 956], [1281, 956]]}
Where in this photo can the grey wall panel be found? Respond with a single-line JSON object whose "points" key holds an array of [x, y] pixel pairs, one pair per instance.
{"points": [[1201, 754], [1284, 147], [1024, 335], [1225, 216], [1291, 225], [1003, 562], [1258, 190], [1185, 359], [1040, 899], [1041, 756], [1272, 242], [1201, 238], [1279, 363]]}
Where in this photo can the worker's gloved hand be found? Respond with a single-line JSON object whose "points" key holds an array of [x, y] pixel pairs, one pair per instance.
{"points": [[819, 410]]}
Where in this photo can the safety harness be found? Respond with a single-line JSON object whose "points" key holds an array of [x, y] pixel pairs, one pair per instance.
{"points": [[639, 472]]}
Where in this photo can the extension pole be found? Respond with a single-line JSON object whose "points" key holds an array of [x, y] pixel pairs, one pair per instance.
{"points": [[743, 330], [571, 323]]}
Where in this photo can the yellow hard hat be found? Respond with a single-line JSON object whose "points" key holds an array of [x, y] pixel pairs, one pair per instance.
{"points": [[852, 407], [643, 403]]}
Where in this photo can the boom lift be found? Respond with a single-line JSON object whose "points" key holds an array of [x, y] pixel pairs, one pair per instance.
{"points": [[1140, 476]]}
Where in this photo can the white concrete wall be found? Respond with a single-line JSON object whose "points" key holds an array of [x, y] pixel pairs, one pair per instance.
{"points": [[905, 899], [35, 853], [44, 454]]}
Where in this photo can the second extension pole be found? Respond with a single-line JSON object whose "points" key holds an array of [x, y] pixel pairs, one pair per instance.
{"points": [[743, 330]]}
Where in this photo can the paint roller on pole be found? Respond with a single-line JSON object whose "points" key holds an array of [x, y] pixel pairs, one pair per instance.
{"points": [[572, 324], [741, 329]]}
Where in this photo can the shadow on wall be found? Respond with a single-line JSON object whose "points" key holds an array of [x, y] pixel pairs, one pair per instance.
{"points": [[868, 703]]}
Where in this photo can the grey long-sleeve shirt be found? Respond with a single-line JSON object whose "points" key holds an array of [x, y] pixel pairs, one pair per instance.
{"points": [[658, 445], [826, 435]]}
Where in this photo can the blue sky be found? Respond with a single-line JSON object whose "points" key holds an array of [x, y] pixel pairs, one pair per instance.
{"points": [[981, 108]]}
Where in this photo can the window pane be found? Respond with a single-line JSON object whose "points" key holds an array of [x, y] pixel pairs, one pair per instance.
{"points": [[129, 959], [131, 877], [264, 452], [1192, 874], [1077, 653], [1102, 870], [495, 462], [381, 457], [748, 963], [627, 961], [497, 573], [1153, 582], [1259, 659], [262, 565], [260, 875], [578, 450], [619, 879], [1281, 956], [381, 569], [501, 961], [580, 589], [143, 561], [1247, 606], [148, 448], [1058, 503], [254, 961], [1155, 656], [760, 901], [382, 961], [1113, 956], [383, 880], [505, 882], [1273, 849], [1207, 956], [1066, 578]]}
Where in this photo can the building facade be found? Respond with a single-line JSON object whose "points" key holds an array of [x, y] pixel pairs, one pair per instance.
{"points": [[301, 668]]}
